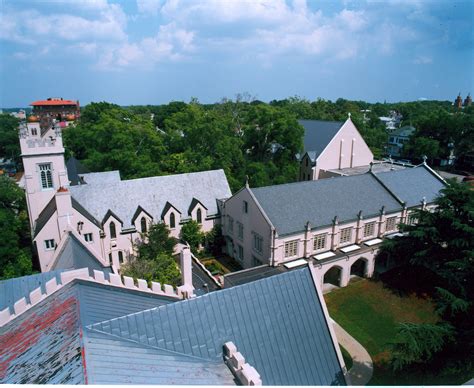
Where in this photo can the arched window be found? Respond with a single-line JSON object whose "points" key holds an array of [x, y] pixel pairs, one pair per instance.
{"points": [[113, 231], [46, 176], [143, 225], [172, 221], [199, 216]]}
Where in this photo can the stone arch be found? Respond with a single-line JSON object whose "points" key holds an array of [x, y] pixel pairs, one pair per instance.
{"points": [[333, 275], [360, 267]]}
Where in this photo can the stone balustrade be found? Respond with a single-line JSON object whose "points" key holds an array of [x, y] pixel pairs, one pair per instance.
{"points": [[244, 372]]}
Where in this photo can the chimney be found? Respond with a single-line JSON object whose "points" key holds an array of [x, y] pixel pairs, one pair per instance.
{"points": [[186, 273], [64, 209]]}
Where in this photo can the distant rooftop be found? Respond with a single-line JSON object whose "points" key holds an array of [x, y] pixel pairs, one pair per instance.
{"points": [[53, 102], [377, 167]]}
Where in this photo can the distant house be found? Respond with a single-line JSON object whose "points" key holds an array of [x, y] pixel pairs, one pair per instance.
{"points": [[71, 328], [331, 145], [330, 222], [397, 138]]}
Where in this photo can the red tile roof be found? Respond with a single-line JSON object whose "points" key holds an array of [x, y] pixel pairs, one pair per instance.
{"points": [[53, 102]]}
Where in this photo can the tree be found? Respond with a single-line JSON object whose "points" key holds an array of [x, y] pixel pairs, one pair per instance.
{"points": [[192, 234], [162, 269], [9, 143], [215, 240], [15, 244], [155, 242], [418, 343], [441, 248]]}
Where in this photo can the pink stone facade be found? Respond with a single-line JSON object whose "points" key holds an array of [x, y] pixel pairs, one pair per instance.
{"points": [[346, 149]]}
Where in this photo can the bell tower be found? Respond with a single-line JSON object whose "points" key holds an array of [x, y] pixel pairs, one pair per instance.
{"points": [[42, 153]]}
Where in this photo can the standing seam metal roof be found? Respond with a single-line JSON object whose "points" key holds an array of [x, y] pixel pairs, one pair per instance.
{"points": [[290, 206], [277, 323]]}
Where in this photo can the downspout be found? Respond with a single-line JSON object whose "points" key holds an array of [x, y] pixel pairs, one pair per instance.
{"points": [[272, 247]]}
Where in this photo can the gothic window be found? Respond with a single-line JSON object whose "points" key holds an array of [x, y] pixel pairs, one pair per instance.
{"points": [[46, 176], [143, 225], [172, 221], [113, 231], [199, 216]]}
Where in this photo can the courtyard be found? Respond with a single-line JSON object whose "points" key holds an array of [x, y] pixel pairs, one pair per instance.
{"points": [[369, 312]]}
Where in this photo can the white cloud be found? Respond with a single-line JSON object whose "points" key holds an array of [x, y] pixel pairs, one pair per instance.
{"points": [[149, 7]]}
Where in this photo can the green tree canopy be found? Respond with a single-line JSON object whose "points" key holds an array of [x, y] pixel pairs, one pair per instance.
{"points": [[192, 234], [15, 244]]}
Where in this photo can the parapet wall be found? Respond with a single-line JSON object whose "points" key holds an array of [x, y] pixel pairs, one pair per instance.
{"points": [[51, 286]]}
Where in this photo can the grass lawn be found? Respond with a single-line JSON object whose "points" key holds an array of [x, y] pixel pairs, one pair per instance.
{"points": [[370, 312]]}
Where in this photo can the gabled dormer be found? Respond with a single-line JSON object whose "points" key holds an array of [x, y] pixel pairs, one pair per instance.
{"points": [[171, 216], [142, 220], [197, 211], [112, 225]]}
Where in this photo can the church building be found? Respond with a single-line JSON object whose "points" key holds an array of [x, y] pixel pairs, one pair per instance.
{"points": [[101, 213]]}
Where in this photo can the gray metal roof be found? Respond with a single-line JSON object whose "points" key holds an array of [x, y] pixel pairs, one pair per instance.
{"points": [[291, 205], [74, 255], [12, 290], [277, 323], [123, 197], [43, 345], [318, 134], [412, 184], [102, 178], [114, 360]]}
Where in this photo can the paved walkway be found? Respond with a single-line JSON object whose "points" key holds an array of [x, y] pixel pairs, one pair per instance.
{"points": [[362, 366]]}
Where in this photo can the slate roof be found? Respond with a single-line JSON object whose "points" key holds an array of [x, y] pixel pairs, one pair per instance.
{"points": [[12, 290], [44, 344], [152, 194], [412, 184], [290, 206], [74, 255], [318, 134], [102, 178], [277, 323], [74, 168]]}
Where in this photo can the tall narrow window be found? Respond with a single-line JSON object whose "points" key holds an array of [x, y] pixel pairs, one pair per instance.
{"points": [[46, 176], [143, 225], [110, 258], [245, 207], [369, 229], [346, 235], [113, 231], [172, 221], [199, 216], [120, 254]]}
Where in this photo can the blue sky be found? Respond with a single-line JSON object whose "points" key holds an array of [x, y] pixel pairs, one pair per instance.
{"points": [[155, 51]]}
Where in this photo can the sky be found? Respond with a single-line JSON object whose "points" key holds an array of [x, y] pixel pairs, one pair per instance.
{"points": [[135, 52]]}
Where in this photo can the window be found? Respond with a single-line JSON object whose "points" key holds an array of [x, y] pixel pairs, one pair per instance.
{"points": [[319, 241], [88, 237], [257, 242], [240, 253], [309, 177], [256, 262], [199, 216], [172, 220], [34, 131], [369, 229], [46, 176], [143, 225], [230, 225], [246, 207], [291, 248], [49, 244], [345, 236], [412, 219], [392, 140], [120, 254], [306, 162], [391, 223], [240, 231], [113, 231], [110, 257]]}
